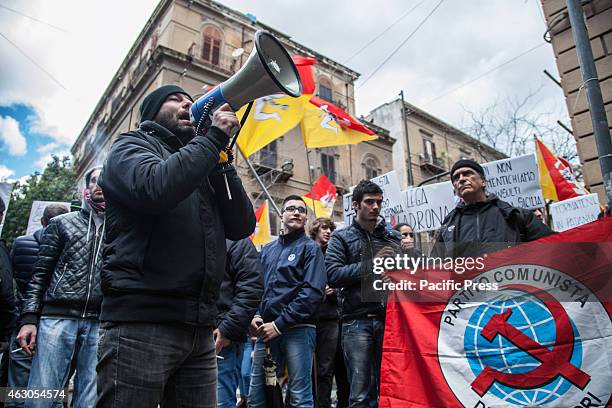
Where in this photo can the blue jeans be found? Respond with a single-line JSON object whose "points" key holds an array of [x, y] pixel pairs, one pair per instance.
{"points": [[362, 345], [19, 370], [228, 375], [293, 348], [245, 368], [58, 342]]}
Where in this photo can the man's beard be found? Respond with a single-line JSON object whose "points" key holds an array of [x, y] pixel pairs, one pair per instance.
{"points": [[170, 122]]}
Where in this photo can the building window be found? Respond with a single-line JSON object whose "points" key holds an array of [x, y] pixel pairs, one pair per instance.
{"points": [[328, 166], [429, 149], [326, 90], [211, 50], [268, 155], [371, 167]]}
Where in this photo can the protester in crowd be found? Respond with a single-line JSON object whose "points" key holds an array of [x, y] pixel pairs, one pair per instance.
{"points": [[362, 319], [7, 300], [293, 292], [169, 213], [23, 254], [482, 222], [61, 305], [539, 213], [329, 358], [407, 236], [239, 297], [7, 305]]}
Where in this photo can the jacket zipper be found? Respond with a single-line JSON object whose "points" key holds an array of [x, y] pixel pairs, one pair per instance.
{"points": [[60, 278], [91, 268], [477, 228]]}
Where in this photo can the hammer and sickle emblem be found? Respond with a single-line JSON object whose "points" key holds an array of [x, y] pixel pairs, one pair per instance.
{"points": [[554, 362]]}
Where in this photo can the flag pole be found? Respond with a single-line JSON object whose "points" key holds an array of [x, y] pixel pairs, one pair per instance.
{"points": [[261, 184], [314, 207]]}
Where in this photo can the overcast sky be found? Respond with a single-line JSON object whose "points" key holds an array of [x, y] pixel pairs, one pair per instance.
{"points": [[46, 97]]}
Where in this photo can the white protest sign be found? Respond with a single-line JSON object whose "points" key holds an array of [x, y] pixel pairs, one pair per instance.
{"points": [[348, 211], [571, 213], [5, 195], [425, 207], [392, 195], [516, 181], [38, 207]]}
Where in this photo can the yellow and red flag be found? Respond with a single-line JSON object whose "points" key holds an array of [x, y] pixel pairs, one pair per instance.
{"points": [[324, 194], [556, 175], [272, 116], [325, 124], [261, 235]]}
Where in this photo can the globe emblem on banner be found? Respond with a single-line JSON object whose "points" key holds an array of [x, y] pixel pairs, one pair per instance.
{"points": [[531, 343], [531, 316]]}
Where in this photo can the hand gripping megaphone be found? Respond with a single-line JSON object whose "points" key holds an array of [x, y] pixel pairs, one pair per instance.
{"points": [[268, 70]]}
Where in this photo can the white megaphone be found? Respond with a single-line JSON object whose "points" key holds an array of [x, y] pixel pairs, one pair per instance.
{"points": [[269, 70]]}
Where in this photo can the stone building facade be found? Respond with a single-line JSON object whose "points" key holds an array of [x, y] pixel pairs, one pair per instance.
{"points": [[433, 144], [599, 26], [201, 43]]}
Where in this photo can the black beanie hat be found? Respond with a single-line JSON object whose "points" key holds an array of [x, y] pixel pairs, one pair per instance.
{"points": [[467, 163], [153, 101]]}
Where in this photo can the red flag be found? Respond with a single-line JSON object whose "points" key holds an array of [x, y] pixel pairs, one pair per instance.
{"points": [[324, 193], [556, 175], [542, 339], [341, 116], [304, 67]]}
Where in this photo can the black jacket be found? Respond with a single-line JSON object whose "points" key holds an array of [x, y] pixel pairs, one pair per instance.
{"points": [[66, 276], [475, 229], [7, 300], [24, 254], [168, 215], [241, 289], [329, 309], [349, 267]]}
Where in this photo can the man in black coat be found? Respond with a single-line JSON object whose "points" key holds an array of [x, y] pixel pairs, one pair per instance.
{"points": [[168, 214], [7, 300], [482, 222], [239, 297], [61, 306], [23, 254]]}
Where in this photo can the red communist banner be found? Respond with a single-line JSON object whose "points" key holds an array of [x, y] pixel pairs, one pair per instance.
{"points": [[531, 327]]}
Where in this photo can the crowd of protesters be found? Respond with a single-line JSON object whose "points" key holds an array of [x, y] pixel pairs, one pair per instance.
{"points": [[153, 295]]}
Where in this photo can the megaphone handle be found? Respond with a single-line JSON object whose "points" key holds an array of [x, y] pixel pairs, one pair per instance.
{"points": [[242, 122]]}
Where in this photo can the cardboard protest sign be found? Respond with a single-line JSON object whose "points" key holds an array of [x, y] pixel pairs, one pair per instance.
{"points": [[425, 207], [574, 212], [516, 181], [392, 195], [38, 207], [348, 211]]}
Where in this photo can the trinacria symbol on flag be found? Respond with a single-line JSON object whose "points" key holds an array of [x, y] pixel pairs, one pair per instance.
{"points": [[532, 343]]}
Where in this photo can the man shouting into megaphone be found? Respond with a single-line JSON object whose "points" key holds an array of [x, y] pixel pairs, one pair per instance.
{"points": [[168, 214]]}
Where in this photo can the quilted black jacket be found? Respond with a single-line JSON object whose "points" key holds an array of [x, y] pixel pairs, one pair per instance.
{"points": [[66, 277], [24, 254], [349, 267]]}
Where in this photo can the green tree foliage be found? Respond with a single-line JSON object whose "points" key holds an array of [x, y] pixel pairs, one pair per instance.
{"points": [[56, 183]]}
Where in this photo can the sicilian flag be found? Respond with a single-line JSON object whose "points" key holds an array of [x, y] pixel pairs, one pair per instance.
{"points": [[556, 175], [531, 328], [261, 235], [325, 124], [324, 195]]}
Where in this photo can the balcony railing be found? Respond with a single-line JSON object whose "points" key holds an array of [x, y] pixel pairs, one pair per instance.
{"points": [[432, 163]]}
